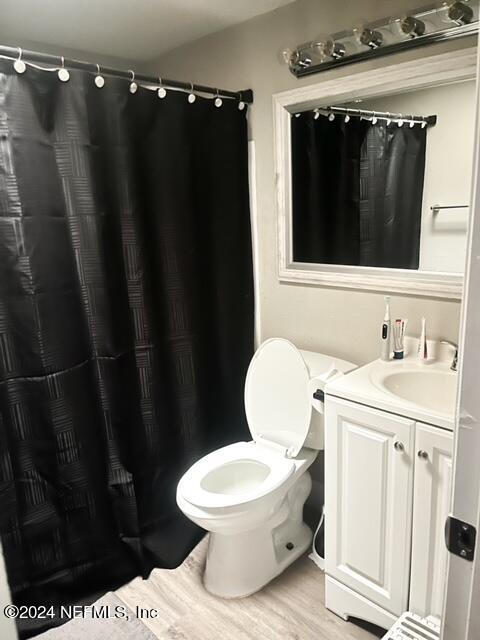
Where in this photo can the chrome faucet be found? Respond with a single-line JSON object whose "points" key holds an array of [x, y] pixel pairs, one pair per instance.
{"points": [[455, 357]]}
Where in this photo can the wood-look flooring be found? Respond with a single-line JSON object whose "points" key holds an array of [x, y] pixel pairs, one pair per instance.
{"points": [[291, 607]]}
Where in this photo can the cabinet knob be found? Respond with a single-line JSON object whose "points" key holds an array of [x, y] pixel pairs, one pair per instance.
{"points": [[399, 446], [423, 454]]}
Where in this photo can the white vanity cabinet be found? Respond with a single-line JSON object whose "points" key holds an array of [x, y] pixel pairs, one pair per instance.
{"points": [[431, 506], [368, 497], [387, 490]]}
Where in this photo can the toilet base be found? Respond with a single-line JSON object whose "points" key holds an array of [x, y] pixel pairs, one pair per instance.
{"points": [[241, 564]]}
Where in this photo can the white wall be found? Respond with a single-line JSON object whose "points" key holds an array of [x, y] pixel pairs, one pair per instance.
{"points": [[332, 320], [7, 625], [448, 167]]}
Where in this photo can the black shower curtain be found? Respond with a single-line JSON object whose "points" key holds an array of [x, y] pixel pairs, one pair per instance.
{"points": [[356, 191], [126, 324]]}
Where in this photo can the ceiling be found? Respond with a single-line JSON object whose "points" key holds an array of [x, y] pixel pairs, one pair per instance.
{"points": [[137, 30]]}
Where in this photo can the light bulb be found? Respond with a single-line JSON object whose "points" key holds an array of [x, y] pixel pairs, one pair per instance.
{"points": [[460, 13], [335, 50], [411, 27], [368, 37], [326, 47], [296, 59], [287, 56], [320, 46], [457, 12]]}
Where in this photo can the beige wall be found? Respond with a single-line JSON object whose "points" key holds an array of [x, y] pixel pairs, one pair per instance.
{"points": [[336, 321]]}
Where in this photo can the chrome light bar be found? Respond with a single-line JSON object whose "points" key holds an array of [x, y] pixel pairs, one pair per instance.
{"points": [[431, 24]]}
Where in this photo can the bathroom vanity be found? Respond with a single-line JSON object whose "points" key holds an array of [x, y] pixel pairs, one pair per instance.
{"points": [[388, 465]]}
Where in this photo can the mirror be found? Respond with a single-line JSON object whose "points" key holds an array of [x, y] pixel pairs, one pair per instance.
{"points": [[374, 175], [385, 181]]}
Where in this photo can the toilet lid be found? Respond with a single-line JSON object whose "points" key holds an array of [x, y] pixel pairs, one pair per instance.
{"points": [[277, 404]]}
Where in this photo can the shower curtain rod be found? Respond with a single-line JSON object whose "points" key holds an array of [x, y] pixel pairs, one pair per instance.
{"points": [[246, 95], [429, 120]]}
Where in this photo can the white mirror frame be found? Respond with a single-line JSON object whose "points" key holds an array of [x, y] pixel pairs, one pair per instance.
{"points": [[436, 69]]}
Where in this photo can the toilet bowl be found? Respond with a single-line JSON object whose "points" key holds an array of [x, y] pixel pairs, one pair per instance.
{"points": [[250, 495]]}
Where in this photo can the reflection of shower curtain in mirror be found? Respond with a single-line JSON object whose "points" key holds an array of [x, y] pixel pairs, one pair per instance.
{"points": [[357, 192]]}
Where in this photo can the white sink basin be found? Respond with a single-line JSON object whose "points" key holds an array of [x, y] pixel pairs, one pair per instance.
{"points": [[432, 389], [423, 391]]}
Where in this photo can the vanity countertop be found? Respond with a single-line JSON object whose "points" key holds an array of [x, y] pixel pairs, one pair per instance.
{"points": [[424, 391]]}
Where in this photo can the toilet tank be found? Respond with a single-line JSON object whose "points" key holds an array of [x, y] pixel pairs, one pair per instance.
{"points": [[322, 369]]}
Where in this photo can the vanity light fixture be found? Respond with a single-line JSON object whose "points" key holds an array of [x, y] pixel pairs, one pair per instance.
{"points": [[426, 25]]}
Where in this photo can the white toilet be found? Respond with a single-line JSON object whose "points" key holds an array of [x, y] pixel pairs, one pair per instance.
{"points": [[250, 495]]}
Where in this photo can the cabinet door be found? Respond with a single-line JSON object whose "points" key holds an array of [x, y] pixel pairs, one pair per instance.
{"points": [[368, 501], [431, 506]]}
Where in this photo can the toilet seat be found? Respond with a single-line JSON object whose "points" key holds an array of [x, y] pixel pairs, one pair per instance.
{"points": [[259, 472], [277, 401], [278, 412]]}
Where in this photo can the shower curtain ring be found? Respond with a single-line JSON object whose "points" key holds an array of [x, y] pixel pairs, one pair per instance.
{"points": [[99, 79], [19, 65], [133, 85], [162, 92], [218, 100], [241, 103], [191, 96], [63, 73]]}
